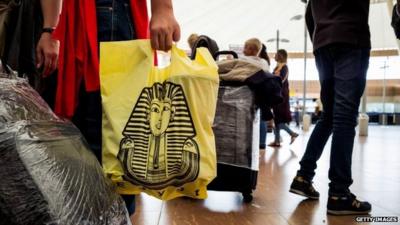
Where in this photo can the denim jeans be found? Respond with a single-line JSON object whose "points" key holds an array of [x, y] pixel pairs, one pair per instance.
{"points": [[342, 74], [263, 134], [277, 131], [114, 23], [114, 20]]}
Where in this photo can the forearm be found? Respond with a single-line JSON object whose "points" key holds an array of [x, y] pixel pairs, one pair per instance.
{"points": [[158, 6], [309, 20], [51, 10]]}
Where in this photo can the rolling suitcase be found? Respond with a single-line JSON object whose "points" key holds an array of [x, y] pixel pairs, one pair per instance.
{"points": [[236, 130]]}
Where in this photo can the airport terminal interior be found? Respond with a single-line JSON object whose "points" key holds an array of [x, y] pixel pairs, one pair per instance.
{"points": [[375, 173], [375, 155], [81, 186]]}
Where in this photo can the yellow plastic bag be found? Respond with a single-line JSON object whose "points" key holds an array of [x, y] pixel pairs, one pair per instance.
{"points": [[157, 135]]}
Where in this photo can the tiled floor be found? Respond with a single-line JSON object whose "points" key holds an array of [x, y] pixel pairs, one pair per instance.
{"points": [[376, 174]]}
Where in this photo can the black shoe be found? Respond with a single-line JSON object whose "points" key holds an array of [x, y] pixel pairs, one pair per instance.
{"points": [[303, 187], [347, 205]]}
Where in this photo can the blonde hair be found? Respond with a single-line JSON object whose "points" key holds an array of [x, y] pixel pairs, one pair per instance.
{"points": [[192, 39], [254, 42]]}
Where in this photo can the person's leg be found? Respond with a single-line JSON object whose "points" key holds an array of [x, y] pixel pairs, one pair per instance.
{"points": [[277, 132], [130, 203], [297, 118], [323, 128], [351, 67], [263, 134], [302, 183], [284, 126], [116, 25], [293, 135], [87, 119]]}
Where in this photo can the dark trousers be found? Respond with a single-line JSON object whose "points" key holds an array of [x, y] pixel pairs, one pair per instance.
{"points": [[114, 23], [342, 73], [263, 134]]}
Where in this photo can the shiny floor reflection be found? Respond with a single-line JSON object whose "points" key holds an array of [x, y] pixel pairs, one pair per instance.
{"points": [[376, 174]]}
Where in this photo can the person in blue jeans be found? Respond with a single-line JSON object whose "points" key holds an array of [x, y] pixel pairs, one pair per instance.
{"points": [[341, 39], [115, 23]]}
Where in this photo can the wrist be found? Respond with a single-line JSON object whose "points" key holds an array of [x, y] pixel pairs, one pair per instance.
{"points": [[162, 7], [49, 30]]}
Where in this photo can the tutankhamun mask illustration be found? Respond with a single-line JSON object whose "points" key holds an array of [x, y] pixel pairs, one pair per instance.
{"points": [[158, 148]]}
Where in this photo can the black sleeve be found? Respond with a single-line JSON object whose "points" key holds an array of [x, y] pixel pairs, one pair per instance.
{"points": [[266, 114], [310, 20], [267, 89], [396, 21]]}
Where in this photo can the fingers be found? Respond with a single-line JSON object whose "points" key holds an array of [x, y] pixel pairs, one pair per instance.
{"points": [[168, 42], [46, 60], [39, 57], [176, 34], [47, 65], [47, 54], [50, 64], [162, 41], [159, 39], [163, 34], [154, 39]]}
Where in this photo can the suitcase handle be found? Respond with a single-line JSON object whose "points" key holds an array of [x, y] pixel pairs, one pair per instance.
{"points": [[219, 53]]}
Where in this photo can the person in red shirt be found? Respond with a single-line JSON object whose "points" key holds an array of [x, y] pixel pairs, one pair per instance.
{"points": [[83, 24]]}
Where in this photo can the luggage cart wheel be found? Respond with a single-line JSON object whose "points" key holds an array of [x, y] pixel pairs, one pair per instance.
{"points": [[247, 197]]}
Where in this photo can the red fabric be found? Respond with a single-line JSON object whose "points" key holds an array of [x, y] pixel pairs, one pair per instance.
{"points": [[78, 59]]}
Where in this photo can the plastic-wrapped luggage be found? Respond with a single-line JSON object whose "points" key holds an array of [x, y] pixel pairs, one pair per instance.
{"points": [[236, 133], [245, 91], [48, 175]]}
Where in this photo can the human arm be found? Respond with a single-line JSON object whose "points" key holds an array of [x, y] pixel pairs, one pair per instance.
{"points": [[164, 29], [396, 19], [47, 49], [310, 20], [398, 7], [284, 73]]}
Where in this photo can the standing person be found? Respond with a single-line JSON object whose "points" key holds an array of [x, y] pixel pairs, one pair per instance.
{"points": [[282, 114], [26, 40], [48, 47], [196, 41], [264, 124], [396, 19], [264, 54], [341, 39], [192, 39], [83, 25], [251, 51], [297, 109]]}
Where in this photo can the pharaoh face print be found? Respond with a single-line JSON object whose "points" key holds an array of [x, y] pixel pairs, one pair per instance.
{"points": [[159, 148], [161, 113]]}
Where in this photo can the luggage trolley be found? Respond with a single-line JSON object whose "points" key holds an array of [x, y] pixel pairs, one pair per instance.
{"points": [[236, 130]]}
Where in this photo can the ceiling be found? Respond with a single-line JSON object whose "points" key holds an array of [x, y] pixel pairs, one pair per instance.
{"points": [[232, 22]]}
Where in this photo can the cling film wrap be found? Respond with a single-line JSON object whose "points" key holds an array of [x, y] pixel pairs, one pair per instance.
{"points": [[21, 102], [48, 174], [236, 127], [157, 123]]}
